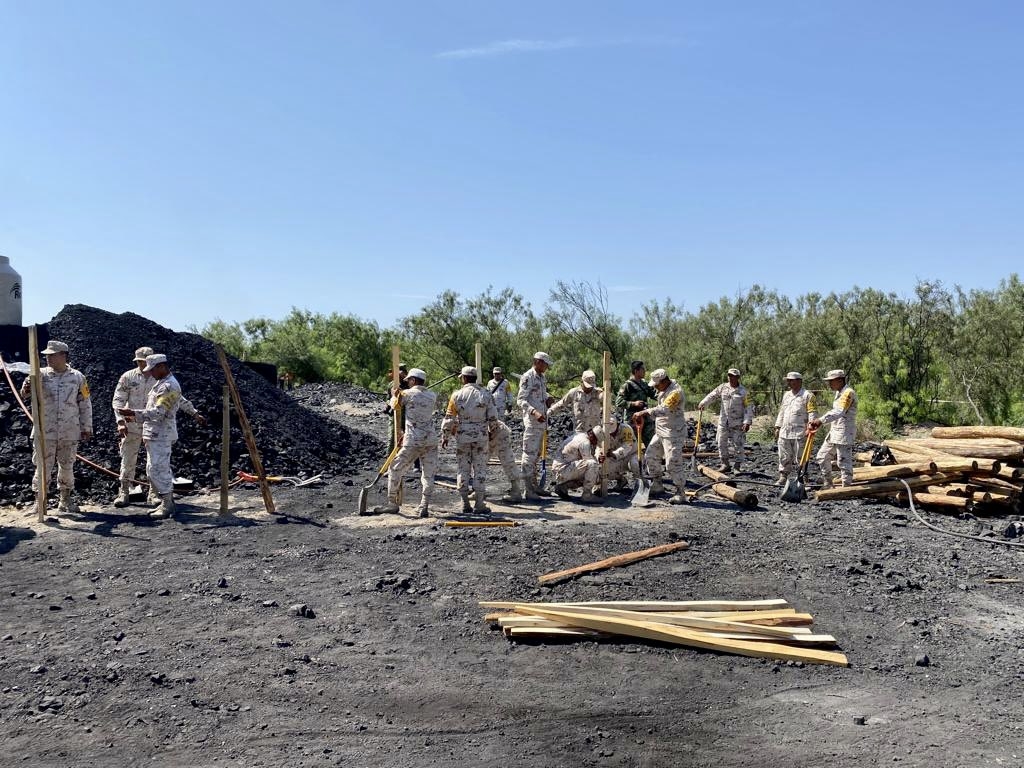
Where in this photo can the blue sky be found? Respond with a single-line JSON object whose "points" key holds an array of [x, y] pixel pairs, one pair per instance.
{"points": [[195, 160]]}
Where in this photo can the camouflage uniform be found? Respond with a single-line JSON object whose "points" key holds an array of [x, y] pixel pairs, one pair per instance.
{"points": [[132, 391], [796, 410], [469, 415], [532, 400], [622, 454], [67, 413], [575, 464], [632, 390], [586, 407], [418, 442], [839, 443], [501, 394], [160, 431], [499, 446], [737, 411], [670, 431]]}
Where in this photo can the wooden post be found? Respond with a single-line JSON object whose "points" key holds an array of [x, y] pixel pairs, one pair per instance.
{"points": [[250, 440], [225, 450], [37, 418], [479, 364], [396, 386], [606, 417]]}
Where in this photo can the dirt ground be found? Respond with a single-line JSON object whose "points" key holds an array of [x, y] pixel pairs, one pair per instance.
{"points": [[125, 641]]}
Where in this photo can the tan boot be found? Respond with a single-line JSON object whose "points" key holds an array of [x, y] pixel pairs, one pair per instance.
{"points": [[126, 491], [66, 505], [588, 496], [515, 494], [783, 477], [679, 498], [165, 508]]}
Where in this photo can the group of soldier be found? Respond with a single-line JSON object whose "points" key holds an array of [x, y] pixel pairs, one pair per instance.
{"points": [[637, 431], [146, 401]]}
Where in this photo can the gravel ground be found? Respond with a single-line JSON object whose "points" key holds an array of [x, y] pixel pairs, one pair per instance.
{"points": [[128, 642]]}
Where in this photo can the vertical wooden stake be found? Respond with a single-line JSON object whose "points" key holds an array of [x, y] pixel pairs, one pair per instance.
{"points": [[396, 387], [38, 405], [479, 364], [606, 413], [225, 451], [250, 439]]}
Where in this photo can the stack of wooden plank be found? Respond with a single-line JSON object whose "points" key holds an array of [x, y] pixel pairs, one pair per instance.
{"points": [[764, 628], [958, 469]]}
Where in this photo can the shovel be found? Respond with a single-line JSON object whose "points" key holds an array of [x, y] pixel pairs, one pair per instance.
{"points": [[794, 490], [642, 496], [397, 424], [696, 441], [543, 459], [365, 491]]}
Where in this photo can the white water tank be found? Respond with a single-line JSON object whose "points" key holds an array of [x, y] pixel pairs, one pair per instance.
{"points": [[10, 293]]}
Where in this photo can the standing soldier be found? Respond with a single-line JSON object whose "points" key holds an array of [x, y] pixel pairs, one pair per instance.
{"points": [[798, 408], [499, 445], [131, 392], [159, 431], [500, 393], [622, 454], [533, 399], [839, 443], [633, 397], [734, 419], [575, 464], [67, 418], [469, 416], [417, 442], [670, 428], [586, 402]]}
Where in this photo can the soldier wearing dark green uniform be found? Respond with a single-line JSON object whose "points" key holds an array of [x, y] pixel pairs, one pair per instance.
{"points": [[633, 397]]}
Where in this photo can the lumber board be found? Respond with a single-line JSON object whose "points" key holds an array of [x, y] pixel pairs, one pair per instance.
{"points": [[682, 636], [959, 433], [480, 524], [656, 605], [613, 562], [539, 632], [38, 419], [681, 621], [809, 639]]}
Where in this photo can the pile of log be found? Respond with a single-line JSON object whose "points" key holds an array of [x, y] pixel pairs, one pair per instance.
{"points": [[956, 469], [769, 629]]}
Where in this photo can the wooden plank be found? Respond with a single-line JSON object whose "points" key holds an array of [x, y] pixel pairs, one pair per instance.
{"points": [[613, 562], [657, 605], [225, 451], [38, 406], [480, 523], [682, 636], [396, 384], [719, 625], [250, 439], [478, 351], [553, 632]]}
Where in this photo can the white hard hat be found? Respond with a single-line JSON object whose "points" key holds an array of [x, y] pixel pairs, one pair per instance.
{"points": [[417, 373], [836, 373], [734, 372], [794, 375], [467, 370], [152, 361], [658, 375], [543, 357]]}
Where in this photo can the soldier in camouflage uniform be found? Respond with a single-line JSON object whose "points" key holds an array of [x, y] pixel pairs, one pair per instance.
{"points": [[633, 397], [670, 429], [734, 419], [67, 418], [131, 391], [499, 446], [159, 430], [586, 402], [533, 400], [622, 453], [838, 445], [468, 418]]}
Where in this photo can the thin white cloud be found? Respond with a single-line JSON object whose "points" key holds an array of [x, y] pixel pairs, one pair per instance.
{"points": [[506, 47]]}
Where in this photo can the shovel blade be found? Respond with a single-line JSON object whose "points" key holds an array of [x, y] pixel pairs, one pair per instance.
{"points": [[794, 491], [642, 496], [363, 495]]}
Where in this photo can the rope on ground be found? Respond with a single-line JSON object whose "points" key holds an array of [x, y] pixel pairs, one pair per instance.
{"points": [[970, 536]]}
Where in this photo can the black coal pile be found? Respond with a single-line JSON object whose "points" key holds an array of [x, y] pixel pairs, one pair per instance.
{"points": [[292, 440]]}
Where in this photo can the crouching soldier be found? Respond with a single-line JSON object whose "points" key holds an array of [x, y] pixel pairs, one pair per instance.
{"points": [[622, 454], [576, 465]]}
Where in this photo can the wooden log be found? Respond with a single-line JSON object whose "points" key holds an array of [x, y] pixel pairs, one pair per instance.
{"points": [[725, 487], [910, 451], [682, 636], [950, 489], [881, 488], [38, 420], [989, 448], [960, 433], [869, 474], [613, 562], [996, 484], [1010, 473], [935, 500], [657, 605]]}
